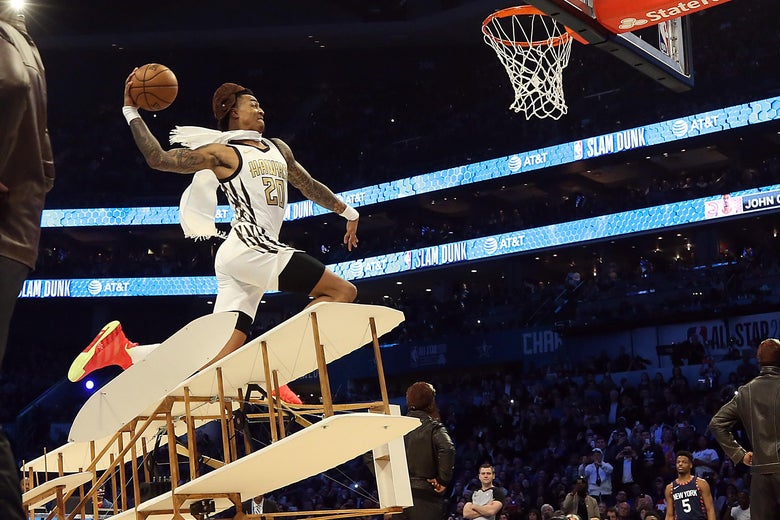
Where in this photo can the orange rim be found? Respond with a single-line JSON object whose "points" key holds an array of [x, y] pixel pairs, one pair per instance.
{"points": [[527, 10]]}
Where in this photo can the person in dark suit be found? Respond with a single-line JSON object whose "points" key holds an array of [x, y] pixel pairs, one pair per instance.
{"points": [[26, 176], [756, 408], [430, 455], [260, 506]]}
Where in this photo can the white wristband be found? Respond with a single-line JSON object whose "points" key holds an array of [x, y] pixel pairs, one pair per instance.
{"points": [[350, 213], [130, 113]]}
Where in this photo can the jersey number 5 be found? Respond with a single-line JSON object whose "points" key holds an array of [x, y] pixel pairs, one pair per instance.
{"points": [[686, 505], [274, 191]]}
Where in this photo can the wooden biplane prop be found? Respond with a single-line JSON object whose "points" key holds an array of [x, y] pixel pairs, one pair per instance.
{"points": [[165, 397]]}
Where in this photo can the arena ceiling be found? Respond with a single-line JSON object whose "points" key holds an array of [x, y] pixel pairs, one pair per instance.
{"points": [[287, 25]]}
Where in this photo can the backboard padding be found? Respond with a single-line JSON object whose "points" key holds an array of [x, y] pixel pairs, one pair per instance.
{"points": [[627, 47]]}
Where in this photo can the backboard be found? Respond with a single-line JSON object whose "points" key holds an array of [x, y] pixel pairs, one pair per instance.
{"points": [[660, 51]]}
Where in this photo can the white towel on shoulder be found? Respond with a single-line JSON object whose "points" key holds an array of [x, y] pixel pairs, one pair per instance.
{"points": [[198, 204]]}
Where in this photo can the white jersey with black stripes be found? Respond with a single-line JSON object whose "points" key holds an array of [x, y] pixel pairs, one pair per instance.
{"points": [[257, 192]]}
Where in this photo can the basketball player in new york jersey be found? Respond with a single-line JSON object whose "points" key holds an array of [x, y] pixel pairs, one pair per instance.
{"points": [[253, 172], [688, 497]]}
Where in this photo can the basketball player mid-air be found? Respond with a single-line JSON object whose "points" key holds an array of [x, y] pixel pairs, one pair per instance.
{"points": [[688, 497], [253, 172]]}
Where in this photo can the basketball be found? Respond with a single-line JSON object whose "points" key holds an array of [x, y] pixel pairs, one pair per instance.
{"points": [[154, 87]]}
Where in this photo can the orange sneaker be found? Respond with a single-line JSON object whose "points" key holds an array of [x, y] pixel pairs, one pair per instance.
{"points": [[108, 348], [288, 396]]}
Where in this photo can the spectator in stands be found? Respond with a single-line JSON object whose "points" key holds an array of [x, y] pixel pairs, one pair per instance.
{"points": [[486, 501], [626, 469], [599, 475], [260, 505], [747, 370], [624, 511], [578, 501], [741, 511], [618, 441], [705, 459], [725, 502]]}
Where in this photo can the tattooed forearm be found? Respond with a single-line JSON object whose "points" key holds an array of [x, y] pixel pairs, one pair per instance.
{"points": [[187, 160], [149, 146], [179, 160], [314, 190]]}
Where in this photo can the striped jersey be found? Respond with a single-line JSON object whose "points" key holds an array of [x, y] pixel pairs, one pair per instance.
{"points": [[257, 192], [688, 500]]}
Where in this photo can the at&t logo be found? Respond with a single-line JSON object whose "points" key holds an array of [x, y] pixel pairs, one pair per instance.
{"points": [[94, 287], [490, 245], [680, 128]]}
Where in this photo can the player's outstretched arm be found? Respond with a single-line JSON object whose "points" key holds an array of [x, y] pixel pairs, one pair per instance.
{"points": [[317, 192], [179, 160], [311, 188]]}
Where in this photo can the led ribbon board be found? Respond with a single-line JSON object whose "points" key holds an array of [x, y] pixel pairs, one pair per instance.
{"points": [[728, 118], [521, 241]]}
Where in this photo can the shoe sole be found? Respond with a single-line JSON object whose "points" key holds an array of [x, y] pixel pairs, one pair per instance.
{"points": [[77, 368]]}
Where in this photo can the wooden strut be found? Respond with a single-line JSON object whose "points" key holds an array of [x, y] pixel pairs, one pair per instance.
{"points": [[379, 367], [119, 461], [271, 404], [136, 484], [94, 479], [223, 418], [114, 489], [278, 399], [322, 367], [331, 514], [192, 445]]}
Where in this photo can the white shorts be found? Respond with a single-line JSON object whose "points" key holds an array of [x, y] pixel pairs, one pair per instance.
{"points": [[244, 274]]}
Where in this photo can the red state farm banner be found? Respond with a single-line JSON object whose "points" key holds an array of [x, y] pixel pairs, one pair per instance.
{"points": [[622, 16]]}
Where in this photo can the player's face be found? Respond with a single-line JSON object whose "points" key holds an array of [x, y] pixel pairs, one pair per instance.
{"points": [[486, 475], [250, 115], [684, 465]]}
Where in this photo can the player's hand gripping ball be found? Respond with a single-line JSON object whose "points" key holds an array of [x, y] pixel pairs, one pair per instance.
{"points": [[154, 87]]}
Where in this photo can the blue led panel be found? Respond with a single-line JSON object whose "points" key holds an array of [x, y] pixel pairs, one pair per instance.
{"points": [[520, 241], [657, 133]]}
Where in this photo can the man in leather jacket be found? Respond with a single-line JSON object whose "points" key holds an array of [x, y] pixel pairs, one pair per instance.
{"points": [[756, 406], [430, 455], [26, 175]]}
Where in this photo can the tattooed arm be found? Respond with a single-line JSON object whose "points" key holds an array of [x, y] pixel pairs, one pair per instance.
{"points": [[315, 191], [311, 188], [217, 157]]}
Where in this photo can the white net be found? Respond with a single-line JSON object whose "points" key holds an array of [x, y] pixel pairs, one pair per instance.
{"points": [[534, 50]]}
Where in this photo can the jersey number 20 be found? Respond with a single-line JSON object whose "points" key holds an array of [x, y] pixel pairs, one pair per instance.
{"points": [[274, 191]]}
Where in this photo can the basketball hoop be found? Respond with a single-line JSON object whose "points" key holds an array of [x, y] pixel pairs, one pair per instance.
{"points": [[534, 49]]}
